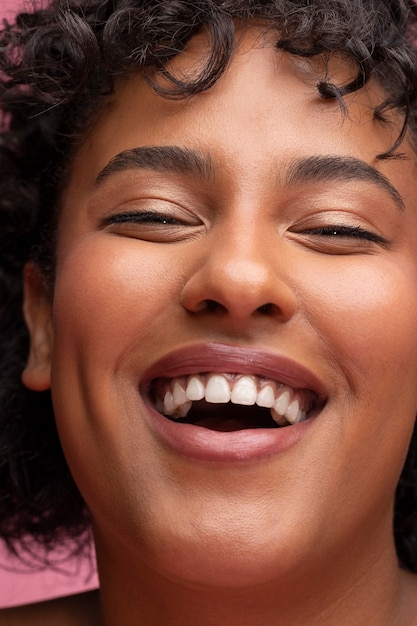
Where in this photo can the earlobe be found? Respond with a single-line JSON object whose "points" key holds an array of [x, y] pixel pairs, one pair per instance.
{"points": [[37, 312]]}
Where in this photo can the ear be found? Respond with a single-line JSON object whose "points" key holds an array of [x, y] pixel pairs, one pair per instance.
{"points": [[37, 311]]}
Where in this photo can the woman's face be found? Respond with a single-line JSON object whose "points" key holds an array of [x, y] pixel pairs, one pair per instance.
{"points": [[248, 243]]}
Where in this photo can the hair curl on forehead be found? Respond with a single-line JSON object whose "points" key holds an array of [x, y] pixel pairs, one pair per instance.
{"points": [[57, 64]]}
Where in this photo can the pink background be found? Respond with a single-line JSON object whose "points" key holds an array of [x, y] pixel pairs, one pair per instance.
{"points": [[22, 585], [8, 6]]}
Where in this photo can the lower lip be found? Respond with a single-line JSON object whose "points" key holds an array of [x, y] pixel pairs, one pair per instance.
{"points": [[236, 446]]}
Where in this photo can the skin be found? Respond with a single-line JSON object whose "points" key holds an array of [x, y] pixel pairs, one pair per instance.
{"points": [[299, 537]]}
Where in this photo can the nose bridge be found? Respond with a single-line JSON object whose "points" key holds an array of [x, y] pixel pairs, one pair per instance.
{"points": [[243, 264], [240, 275]]}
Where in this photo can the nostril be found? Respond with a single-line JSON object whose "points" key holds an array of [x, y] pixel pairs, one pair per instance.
{"points": [[268, 309], [212, 306]]}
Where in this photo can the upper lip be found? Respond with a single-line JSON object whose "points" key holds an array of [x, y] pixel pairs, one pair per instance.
{"points": [[218, 357]]}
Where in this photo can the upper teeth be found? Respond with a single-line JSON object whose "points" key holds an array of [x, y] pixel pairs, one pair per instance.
{"points": [[287, 405]]}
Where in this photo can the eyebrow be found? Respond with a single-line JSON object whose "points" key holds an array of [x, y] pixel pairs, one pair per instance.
{"points": [[174, 159], [323, 169], [319, 168]]}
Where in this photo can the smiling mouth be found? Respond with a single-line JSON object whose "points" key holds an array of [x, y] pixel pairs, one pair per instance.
{"points": [[229, 402]]}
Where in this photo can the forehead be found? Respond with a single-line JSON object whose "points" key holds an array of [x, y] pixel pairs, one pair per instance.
{"points": [[263, 114]]}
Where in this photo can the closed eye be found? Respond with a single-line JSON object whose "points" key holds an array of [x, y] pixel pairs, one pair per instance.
{"points": [[338, 239], [140, 217], [154, 226], [343, 231]]}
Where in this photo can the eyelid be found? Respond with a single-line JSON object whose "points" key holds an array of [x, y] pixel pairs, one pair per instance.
{"points": [[153, 211], [154, 226], [346, 231], [354, 218]]}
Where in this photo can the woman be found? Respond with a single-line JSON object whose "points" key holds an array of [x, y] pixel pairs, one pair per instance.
{"points": [[213, 205]]}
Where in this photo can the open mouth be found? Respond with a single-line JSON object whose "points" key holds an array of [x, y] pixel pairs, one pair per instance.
{"points": [[228, 402]]}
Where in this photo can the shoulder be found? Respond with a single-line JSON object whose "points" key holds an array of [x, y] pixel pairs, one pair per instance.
{"points": [[77, 610]]}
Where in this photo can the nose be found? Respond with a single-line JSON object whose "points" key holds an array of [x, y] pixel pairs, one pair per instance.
{"points": [[239, 279]]}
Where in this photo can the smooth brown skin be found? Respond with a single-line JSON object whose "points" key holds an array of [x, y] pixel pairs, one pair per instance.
{"points": [[303, 537]]}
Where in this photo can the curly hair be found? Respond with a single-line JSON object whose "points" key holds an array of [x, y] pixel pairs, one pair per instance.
{"points": [[57, 64]]}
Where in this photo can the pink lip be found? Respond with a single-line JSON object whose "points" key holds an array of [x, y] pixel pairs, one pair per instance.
{"points": [[243, 445], [203, 444], [214, 357]]}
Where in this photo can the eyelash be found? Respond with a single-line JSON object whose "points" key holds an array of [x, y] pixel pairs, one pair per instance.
{"points": [[331, 232], [140, 217], [346, 232]]}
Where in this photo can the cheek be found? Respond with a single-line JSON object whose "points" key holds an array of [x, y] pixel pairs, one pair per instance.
{"points": [[369, 315], [368, 327], [109, 296], [365, 315]]}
